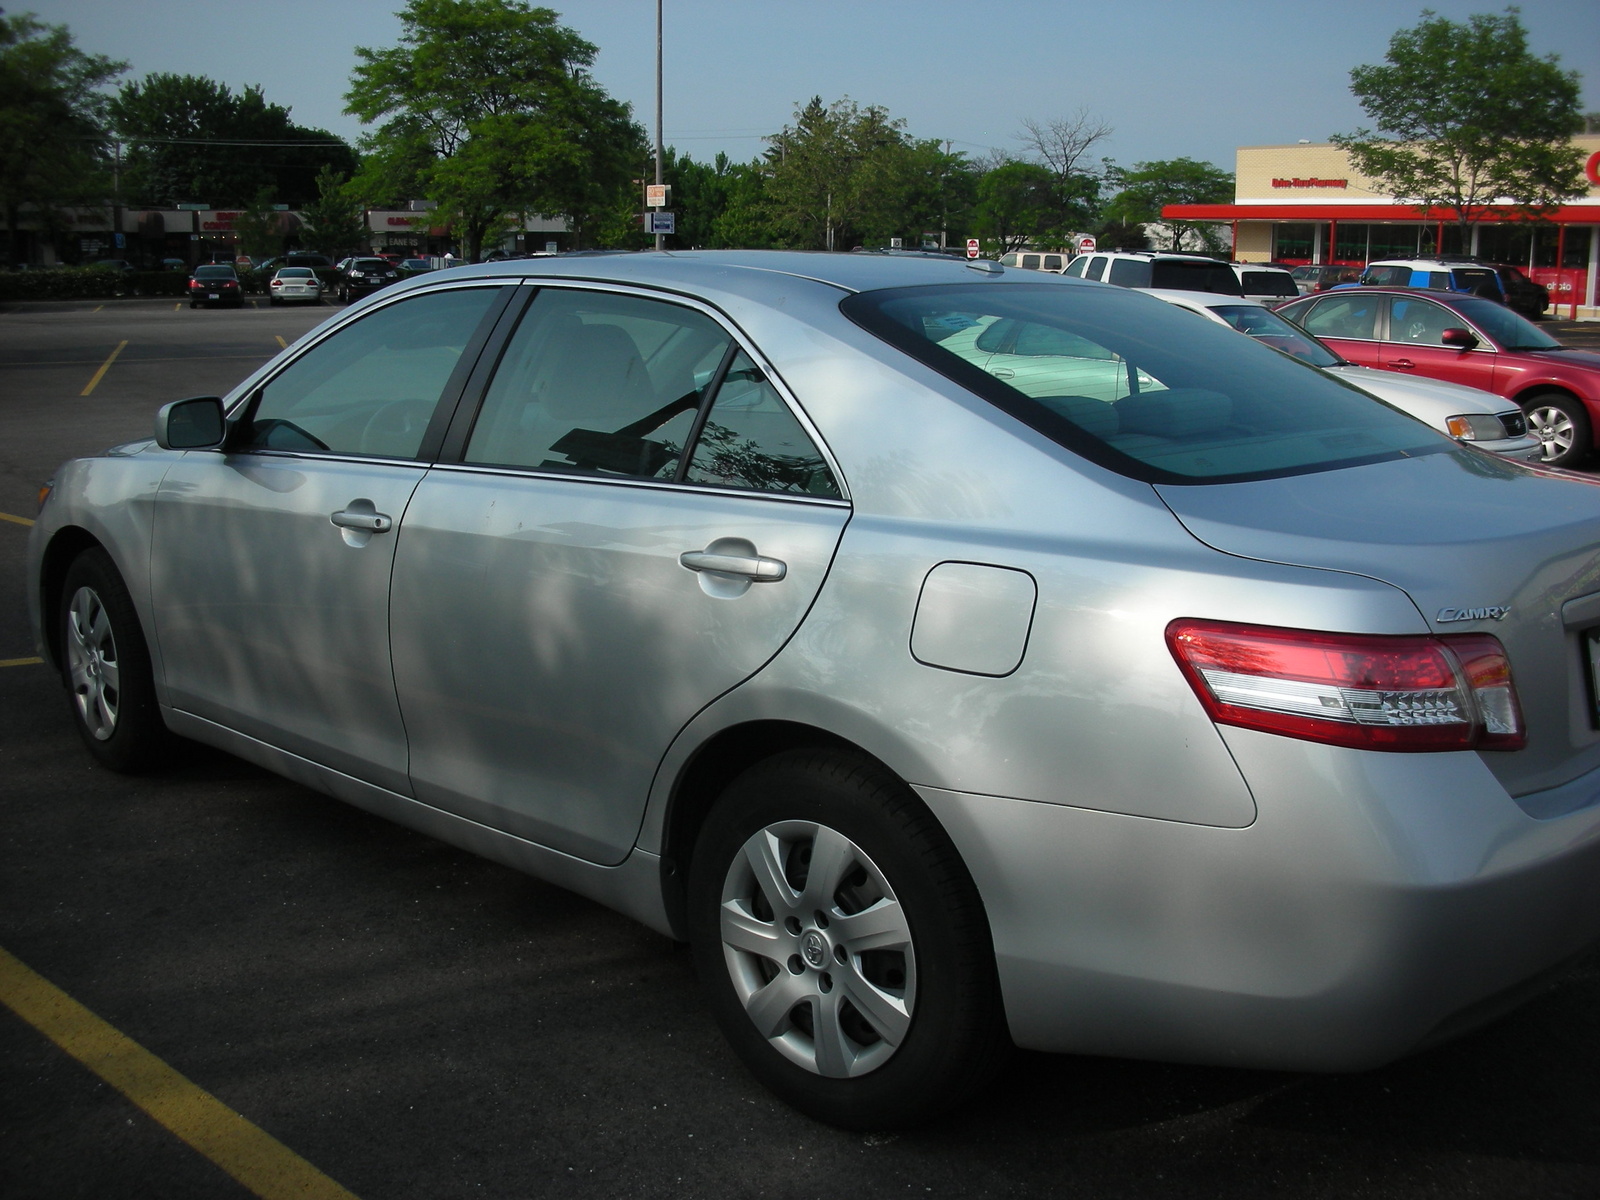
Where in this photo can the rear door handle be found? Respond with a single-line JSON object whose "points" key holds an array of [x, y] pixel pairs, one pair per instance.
{"points": [[755, 567]]}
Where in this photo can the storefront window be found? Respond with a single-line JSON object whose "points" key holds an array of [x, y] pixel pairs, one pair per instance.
{"points": [[1298, 242], [1392, 241], [1352, 245], [1451, 242], [1575, 254], [1508, 243]]}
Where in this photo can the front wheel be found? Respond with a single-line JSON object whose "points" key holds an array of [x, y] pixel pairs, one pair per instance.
{"points": [[842, 945], [1561, 422], [106, 667]]}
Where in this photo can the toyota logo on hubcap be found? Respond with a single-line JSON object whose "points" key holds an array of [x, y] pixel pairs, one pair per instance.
{"points": [[814, 948]]}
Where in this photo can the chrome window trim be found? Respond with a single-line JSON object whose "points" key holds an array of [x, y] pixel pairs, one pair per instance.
{"points": [[723, 321], [633, 481]]}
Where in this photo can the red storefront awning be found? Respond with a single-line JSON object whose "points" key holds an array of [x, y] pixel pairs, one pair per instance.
{"points": [[1567, 214]]}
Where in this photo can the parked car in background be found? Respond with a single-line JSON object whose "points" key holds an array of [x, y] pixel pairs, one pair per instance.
{"points": [[1470, 340], [415, 266], [1467, 414], [1450, 275], [174, 264], [1157, 269], [1522, 294], [294, 284], [214, 285], [1038, 260], [1319, 277], [1265, 281], [1183, 703], [358, 277]]}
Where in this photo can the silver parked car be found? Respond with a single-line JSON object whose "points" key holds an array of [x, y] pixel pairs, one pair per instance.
{"points": [[1467, 414], [954, 656]]}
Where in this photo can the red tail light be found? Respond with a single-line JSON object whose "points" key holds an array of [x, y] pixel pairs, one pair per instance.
{"points": [[1368, 691]]}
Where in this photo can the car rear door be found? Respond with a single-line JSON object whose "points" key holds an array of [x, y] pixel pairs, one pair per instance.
{"points": [[1348, 320], [603, 559]]}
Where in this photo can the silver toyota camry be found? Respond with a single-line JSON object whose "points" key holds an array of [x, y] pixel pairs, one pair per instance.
{"points": [[956, 657]]}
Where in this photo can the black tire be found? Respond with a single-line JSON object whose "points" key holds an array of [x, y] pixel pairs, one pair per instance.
{"points": [[193, 304], [926, 975], [1561, 422], [105, 665]]}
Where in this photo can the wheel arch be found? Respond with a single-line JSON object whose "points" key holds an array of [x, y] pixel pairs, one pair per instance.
{"points": [[67, 543], [1548, 387], [706, 774]]}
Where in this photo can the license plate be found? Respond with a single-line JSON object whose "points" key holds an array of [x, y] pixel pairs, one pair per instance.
{"points": [[213, 296]]}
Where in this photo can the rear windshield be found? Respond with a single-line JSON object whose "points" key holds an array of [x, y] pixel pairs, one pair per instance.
{"points": [[1138, 385], [217, 272]]}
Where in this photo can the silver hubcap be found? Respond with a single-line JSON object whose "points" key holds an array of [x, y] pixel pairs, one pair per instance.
{"points": [[818, 949], [1552, 427], [92, 663]]}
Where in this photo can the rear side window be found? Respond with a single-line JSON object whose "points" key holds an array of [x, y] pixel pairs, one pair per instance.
{"points": [[1076, 266], [1030, 262], [1387, 276], [751, 440], [1052, 262], [1138, 385], [1349, 314], [1096, 268], [1129, 272], [1196, 275], [1269, 283]]}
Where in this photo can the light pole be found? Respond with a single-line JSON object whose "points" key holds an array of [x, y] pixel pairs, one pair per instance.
{"points": [[661, 238]]}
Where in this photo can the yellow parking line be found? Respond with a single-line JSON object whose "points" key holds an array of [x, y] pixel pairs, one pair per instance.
{"points": [[97, 308], [20, 662], [255, 1158], [177, 306], [15, 520], [283, 344], [104, 367]]}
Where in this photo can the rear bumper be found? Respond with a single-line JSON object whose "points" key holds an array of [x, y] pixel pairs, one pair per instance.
{"points": [[1379, 903]]}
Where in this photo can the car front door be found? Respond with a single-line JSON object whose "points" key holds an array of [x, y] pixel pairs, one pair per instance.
{"points": [[1414, 344], [607, 557], [271, 559]]}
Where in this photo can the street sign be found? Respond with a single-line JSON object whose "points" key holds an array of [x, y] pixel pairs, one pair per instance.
{"points": [[896, 243], [972, 247], [656, 195], [661, 222], [1086, 244], [550, 247]]}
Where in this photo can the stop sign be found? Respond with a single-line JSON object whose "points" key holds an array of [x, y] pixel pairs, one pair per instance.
{"points": [[1086, 245], [972, 247]]}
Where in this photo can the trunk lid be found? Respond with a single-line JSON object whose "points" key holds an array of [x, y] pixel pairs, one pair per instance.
{"points": [[1465, 535]]}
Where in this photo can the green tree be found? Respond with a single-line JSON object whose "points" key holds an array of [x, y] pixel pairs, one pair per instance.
{"points": [[260, 227], [487, 107], [1017, 207], [191, 139], [334, 223], [53, 144], [1151, 186], [1472, 117], [1061, 146]]}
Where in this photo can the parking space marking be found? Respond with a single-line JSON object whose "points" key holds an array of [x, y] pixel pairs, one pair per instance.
{"points": [[250, 1155], [15, 520], [20, 662], [177, 306], [104, 367], [282, 345]]}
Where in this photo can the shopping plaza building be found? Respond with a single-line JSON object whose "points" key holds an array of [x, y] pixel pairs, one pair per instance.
{"points": [[1307, 204]]}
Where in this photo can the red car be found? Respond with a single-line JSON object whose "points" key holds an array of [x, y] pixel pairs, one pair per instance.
{"points": [[1466, 339]]}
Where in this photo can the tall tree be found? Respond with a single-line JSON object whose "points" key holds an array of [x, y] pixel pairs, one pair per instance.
{"points": [[333, 223], [53, 144], [1062, 147], [1151, 186], [1016, 206], [488, 107], [192, 139], [1475, 120]]}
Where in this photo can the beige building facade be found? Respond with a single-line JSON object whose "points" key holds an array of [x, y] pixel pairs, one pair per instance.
{"points": [[1306, 203]]}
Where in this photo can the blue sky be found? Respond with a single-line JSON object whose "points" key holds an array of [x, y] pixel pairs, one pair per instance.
{"points": [[1170, 77]]}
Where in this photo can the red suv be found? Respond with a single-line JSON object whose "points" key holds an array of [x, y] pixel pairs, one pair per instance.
{"points": [[1470, 340]]}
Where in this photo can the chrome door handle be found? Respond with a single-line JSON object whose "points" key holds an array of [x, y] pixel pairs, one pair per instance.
{"points": [[372, 522], [755, 567]]}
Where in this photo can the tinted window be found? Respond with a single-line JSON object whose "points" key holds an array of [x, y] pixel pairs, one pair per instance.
{"points": [[1158, 395], [218, 272], [1052, 262], [1268, 327], [1096, 268], [598, 383], [1129, 272], [1076, 266], [1387, 276], [1268, 283], [752, 440], [371, 388], [1030, 262], [1198, 275], [1349, 314]]}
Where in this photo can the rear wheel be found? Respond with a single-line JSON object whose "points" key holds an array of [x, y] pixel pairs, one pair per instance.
{"points": [[1561, 422], [106, 667], [842, 945]]}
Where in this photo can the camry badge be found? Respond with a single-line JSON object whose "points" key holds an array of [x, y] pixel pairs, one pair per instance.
{"points": [[1492, 613]]}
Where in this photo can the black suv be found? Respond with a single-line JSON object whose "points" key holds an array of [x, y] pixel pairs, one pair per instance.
{"points": [[358, 277]]}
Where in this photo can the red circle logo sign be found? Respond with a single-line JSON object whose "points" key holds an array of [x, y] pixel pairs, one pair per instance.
{"points": [[1592, 168]]}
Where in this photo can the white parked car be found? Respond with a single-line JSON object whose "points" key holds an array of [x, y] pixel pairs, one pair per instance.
{"points": [[295, 283], [1467, 414]]}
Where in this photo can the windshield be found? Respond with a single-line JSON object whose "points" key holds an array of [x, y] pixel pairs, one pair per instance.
{"points": [[219, 272], [1138, 385], [1267, 326], [1508, 330]]}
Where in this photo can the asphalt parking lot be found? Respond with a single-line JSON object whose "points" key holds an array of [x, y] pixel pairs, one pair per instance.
{"points": [[410, 1021]]}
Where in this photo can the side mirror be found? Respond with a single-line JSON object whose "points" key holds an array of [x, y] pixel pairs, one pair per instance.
{"points": [[192, 424], [1461, 339]]}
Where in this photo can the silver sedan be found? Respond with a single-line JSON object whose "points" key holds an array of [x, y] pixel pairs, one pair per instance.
{"points": [[954, 656]]}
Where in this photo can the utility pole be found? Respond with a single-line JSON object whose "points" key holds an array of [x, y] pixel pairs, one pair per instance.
{"points": [[661, 238]]}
